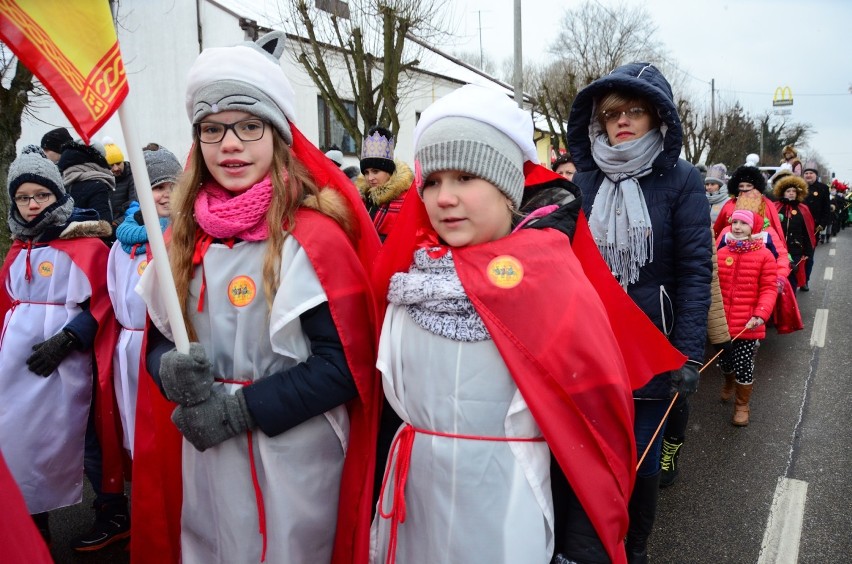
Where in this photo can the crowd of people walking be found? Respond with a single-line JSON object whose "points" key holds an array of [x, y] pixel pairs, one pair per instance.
{"points": [[466, 359]]}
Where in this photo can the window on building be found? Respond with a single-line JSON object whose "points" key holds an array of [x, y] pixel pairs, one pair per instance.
{"points": [[331, 131]]}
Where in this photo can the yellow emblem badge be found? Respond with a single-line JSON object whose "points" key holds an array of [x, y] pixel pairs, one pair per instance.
{"points": [[141, 268], [46, 269], [505, 271], [241, 291], [793, 212], [729, 261]]}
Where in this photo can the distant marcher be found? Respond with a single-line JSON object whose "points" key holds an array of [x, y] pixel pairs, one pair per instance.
{"points": [[715, 186], [797, 224], [335, 155], [125, 188], [383, 181], [747, 275], [791, 159], [564, 166], [52, 141], [648, 213], [87, 178]]}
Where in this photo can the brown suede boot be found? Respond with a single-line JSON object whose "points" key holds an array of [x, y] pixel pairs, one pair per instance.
{"points": [[741, 410], [727, 386]]}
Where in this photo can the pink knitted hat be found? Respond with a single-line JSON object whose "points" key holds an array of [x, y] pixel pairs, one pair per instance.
{"points": [[745, 216]]}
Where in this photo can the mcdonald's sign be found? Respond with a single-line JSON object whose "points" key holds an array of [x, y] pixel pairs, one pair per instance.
{"points": [[783, 96]]}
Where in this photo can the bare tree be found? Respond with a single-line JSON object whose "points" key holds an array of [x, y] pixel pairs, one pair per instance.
{"points": [[595, 39], [734, 137], [554, 88], [20, 94], [777, 134], [483, 62], [371, 44]]}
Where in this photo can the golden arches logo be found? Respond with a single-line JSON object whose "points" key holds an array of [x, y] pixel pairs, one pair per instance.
{"points": [[783, 96]]}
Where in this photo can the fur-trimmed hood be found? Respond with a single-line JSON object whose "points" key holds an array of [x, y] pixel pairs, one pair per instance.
{"points": [[87, 228], [791, 181], [397, 184]]}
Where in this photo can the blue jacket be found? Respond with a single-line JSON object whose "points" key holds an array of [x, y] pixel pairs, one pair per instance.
{"points": [[673, 289]]}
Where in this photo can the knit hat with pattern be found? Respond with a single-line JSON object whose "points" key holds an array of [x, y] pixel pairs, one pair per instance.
{"points": [[476, 130], [377, 150], [54, 139], [34, 166], [112, 153], [716, 174], [246, 77]]}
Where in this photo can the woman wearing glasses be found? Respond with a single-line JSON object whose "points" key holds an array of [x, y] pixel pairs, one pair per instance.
{"points": [[649, 217], [269, 246], [57, 321]]}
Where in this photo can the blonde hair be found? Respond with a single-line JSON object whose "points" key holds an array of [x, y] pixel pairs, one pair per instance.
{"points": [[288, 196]]}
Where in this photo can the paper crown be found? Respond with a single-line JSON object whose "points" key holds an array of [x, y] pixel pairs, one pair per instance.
{"points": [[377, 146]]}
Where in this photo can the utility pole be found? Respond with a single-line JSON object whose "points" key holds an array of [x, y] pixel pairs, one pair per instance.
{"points": [[713, 104], [519, 64], [479, 15]]}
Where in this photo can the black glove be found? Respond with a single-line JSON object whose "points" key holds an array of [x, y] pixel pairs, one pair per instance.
{"points": [[137, 217], [685, 380], [186, 378], [214, 420], [51, 352]]}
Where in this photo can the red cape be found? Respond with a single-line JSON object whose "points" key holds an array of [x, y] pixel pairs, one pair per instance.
{"points": [[20, 541], [344, 278], [806, 215], [576, 362], [91, 255]]}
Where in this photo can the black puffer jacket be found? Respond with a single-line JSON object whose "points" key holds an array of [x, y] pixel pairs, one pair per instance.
{"points": [[674, 288]]}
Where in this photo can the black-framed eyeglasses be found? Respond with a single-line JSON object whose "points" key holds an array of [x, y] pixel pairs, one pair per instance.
{"points": [[632, 114], [40, 198], [245, 130]]}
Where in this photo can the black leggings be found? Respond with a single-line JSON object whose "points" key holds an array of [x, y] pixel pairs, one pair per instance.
{"points": [[740, 360]]}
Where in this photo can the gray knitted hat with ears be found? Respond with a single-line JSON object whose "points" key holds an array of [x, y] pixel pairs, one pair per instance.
{"points": [[246, 77], [34, 166], [162, 166], [469, 145]]}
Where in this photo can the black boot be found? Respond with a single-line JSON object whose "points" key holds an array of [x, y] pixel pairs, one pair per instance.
{"points": [[668, 461], [642, 509], [112, 523], [42, 523]]}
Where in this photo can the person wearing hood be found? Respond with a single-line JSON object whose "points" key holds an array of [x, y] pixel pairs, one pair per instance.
{"points": [[384, 180], [57, 339], [791, 159], [648, 215], [87, 178], [715, 186], [797, 224]]}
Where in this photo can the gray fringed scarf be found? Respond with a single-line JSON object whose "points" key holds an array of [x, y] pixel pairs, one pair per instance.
{"points": [[619, 220], [435, 299]]}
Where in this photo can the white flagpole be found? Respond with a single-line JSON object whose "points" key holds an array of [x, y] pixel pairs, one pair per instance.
{"points": [[152, 226]]}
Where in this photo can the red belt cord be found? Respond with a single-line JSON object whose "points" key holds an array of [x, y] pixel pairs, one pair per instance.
{"points": [[258, 494], [15, 304], [402, 445]]}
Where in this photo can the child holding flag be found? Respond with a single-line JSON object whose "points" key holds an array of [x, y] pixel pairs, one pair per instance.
{"points": [[269, 246]]}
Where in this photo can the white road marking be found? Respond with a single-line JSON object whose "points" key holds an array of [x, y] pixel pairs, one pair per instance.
{"points": [[829, 273], [784, 527], [818, 332], [831, 252]]}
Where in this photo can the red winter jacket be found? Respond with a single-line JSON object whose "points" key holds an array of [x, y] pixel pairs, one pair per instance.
{"points": [[747, 276]]}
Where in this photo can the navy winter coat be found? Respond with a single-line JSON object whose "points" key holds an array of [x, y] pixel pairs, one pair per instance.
{"points": [[673, 289]]}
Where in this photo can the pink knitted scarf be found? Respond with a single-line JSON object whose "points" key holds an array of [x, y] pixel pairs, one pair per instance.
{"points": [[222, 214]]}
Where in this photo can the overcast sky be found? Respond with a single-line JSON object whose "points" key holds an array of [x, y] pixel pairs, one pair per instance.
{"points": [[749, 47]]}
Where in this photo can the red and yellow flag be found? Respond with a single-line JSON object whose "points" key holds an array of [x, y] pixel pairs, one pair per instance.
{"points": [[71, 46]]}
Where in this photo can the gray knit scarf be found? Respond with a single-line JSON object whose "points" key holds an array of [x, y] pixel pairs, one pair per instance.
{"points": [[87, 171], [619, 220], [435, 299], [44, 225]]}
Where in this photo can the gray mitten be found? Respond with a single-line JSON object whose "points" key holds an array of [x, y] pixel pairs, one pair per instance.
{"points": [[50, 353], [186, 378], [213, 421]]}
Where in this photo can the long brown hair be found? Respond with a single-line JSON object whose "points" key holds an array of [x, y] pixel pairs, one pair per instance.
{"points": [[288, 196]]}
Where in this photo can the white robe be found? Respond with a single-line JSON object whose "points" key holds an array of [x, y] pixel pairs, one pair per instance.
{"points": [[43, 420], [467, 500], [123, 275], [299, 471]]}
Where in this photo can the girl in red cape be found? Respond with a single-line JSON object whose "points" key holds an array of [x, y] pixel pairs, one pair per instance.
{"points": [[275, 399], [499, 353]]}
